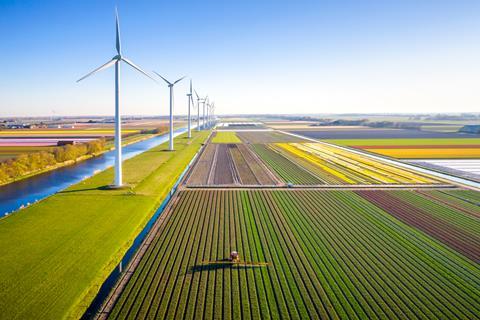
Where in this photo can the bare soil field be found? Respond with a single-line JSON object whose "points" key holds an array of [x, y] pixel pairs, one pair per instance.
{"points": [[225, 170], [230, 164], [202, 169]]}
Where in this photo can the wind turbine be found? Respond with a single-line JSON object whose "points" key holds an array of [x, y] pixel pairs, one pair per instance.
{"points": [[205, 101], [118, 127], [170, 85], [209, 105], [198, 109], [190, 99], [212, 108]]}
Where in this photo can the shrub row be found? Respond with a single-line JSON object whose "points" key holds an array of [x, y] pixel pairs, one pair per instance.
{"points": [[28, 163]]}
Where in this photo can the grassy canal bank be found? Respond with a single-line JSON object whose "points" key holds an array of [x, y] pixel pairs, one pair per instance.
{"points": [[56, 253]]}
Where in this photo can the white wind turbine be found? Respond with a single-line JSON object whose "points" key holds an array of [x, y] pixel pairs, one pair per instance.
{"points": [[190, 99], [170, 85], [208, 113], [205, 101], [212, 110], [118, 127], [198, 109]]}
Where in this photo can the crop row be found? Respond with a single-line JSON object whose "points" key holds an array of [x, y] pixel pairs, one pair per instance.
{"points": [[230, 164], [330, 254], [288, 170], [349, 167], [450, 224]]}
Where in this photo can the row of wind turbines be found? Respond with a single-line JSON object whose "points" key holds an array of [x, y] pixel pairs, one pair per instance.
{"points": [[208, 107]]}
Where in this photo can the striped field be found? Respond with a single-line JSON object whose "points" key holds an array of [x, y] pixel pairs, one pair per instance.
{"points": [[330, 254]]}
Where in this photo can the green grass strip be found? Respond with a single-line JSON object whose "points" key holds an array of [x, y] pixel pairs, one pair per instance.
{"points": [[226, 137]]}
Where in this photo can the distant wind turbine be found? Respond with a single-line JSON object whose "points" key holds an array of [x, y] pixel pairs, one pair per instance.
{"points": [[118, 134], [198, 109], [205, 101], [212, 109], [170, 85], [190, 99], [208, 113]]}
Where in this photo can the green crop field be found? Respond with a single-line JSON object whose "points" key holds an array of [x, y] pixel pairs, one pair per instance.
{"points": [[226, 137], [330, 254], [404, 142], [55, 254]]}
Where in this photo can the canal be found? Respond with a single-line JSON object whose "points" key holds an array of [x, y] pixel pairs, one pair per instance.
{"points": [[21, 193]]}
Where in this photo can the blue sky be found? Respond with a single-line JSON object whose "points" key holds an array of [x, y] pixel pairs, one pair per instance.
{"points": [[249, 56]]}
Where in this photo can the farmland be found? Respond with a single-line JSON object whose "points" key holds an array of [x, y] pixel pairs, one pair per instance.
{"points": [[312, 163], [330, 254], [56, 253], [449, 148], [225, 137], [405, 142], [428, 152], [395, 244], [14, 142], [273, 158], [465, 168], [227, 164], [374, 133], [255, 137]]}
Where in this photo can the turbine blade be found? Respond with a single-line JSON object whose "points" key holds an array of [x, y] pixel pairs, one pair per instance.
{"points": [[179, 80], [103, 67], [118, 44], [163, 78], [191, 87], [133, 65], [198, 97]]}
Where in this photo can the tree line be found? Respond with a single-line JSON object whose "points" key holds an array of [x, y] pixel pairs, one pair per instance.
{"points": [[27, 163]]}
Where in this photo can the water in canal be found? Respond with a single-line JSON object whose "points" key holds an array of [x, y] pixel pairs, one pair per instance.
{"points": [[23, 192]]}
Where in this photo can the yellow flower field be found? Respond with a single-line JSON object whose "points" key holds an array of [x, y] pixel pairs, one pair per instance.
{"points": [[349, 167], [429, 153]]}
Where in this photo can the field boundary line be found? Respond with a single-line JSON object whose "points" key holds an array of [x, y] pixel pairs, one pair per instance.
{"points": [[328, 187]]}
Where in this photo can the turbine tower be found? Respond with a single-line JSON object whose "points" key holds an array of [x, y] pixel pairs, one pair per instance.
{"points": [[170, 85], [190, 99], [118, 126]]}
